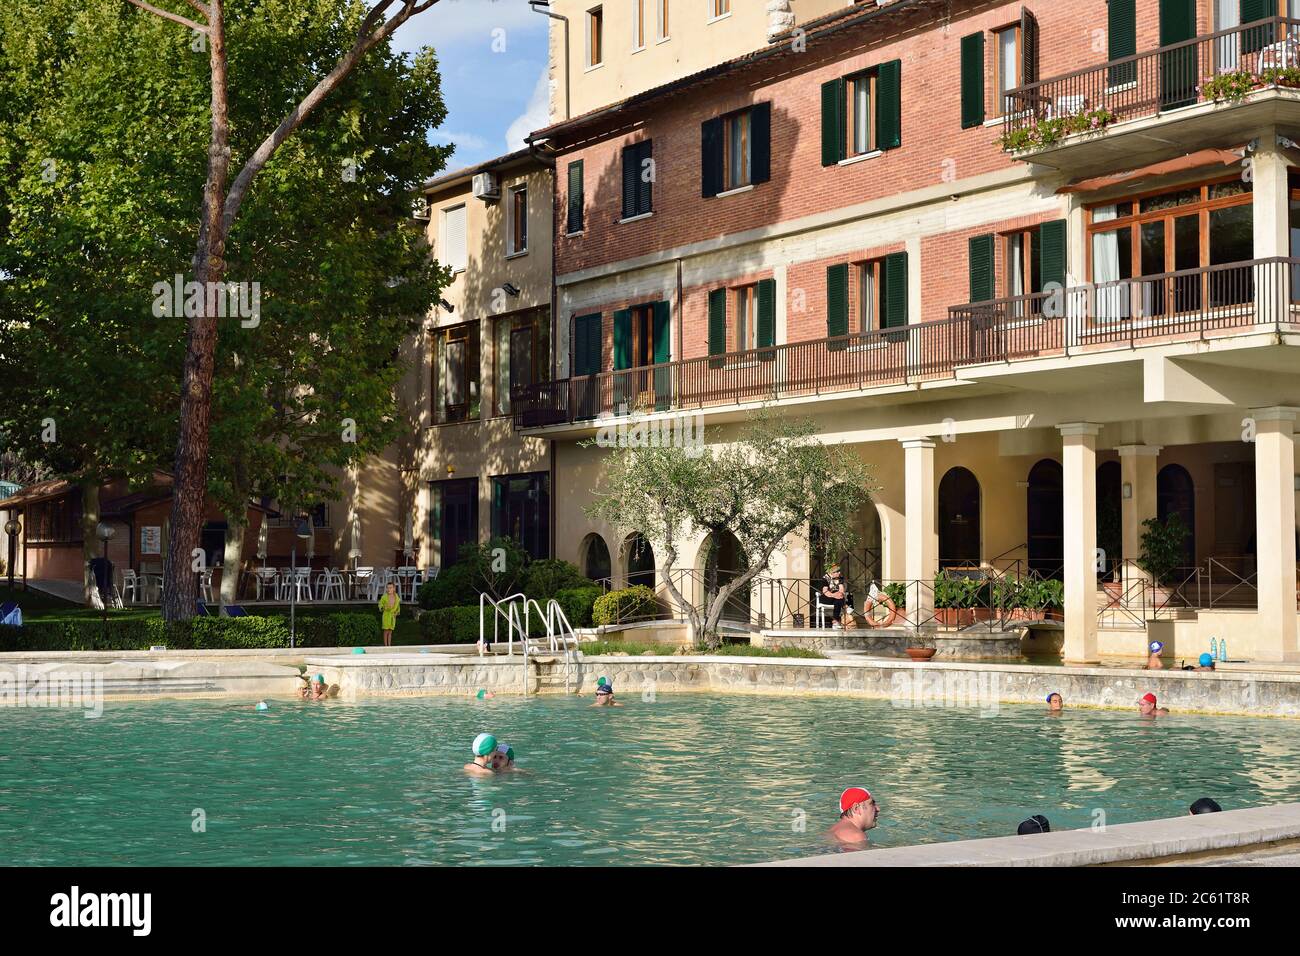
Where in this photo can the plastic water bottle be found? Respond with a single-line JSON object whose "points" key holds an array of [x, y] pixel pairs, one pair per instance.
{"points": [[1223, 649], [1214, 648]]}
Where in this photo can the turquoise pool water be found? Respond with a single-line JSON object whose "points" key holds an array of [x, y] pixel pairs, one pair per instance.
{"points": [[686, 779]]}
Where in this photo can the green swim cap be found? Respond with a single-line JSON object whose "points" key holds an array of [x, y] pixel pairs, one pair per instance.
{"points": [[483, 745], [601, 680], [321, 678], [507, 750], [482, 693]]}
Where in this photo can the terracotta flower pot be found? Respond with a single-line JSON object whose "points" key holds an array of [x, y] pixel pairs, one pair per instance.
{"points": [[920, 653]]}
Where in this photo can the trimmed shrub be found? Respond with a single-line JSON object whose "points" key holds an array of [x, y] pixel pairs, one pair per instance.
{"points": [[577, 604], [450, 625], [636, 603], [545, 579], [453, 587], [201, 633]]}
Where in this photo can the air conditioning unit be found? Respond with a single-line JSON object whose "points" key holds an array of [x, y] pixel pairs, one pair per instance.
{"points": [[486, 186]]}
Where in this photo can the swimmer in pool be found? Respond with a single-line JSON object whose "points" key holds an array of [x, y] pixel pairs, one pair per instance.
{"points": [[605, 694], [858, 814], [1154, 663], [484, 749], [1055, 703], [503, 760], [317, 689], [1147, 707]]}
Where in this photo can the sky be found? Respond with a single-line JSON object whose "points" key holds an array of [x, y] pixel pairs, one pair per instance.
{"points": [[492, 55]]}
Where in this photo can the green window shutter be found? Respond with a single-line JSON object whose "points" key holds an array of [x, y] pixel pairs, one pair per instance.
{"points": [[837, 301], [711, 149], [662, 332], [1121, 23], [587, 345], [889, 105], [972, 81], [576, 199], [717, 324], [981, 268], [1051, 252], [623, 339], [760, 134], [767, 317], [1028, 47], [833, 143], [1251, 10], [895, 306], [644, 181], [631, 170]]}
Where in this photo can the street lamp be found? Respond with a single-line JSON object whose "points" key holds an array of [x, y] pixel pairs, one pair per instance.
{"points": [[301, 529], [104, 532], [13, 528]]}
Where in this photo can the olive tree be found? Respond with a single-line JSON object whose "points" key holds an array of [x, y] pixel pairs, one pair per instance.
{"points": [[774, 478]]}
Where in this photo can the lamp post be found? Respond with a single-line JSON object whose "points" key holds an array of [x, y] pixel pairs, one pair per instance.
{"points": [[301, 529], [13, 528], [104, 532]]}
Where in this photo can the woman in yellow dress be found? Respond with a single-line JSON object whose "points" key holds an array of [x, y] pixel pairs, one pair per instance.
{"points": [[389, 605]]}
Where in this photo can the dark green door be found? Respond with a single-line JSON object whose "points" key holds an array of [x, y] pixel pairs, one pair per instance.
{"points": [[1179, 72], [662, 326]]}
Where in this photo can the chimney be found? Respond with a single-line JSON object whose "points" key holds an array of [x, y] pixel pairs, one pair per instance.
{"points": [[780, 18]]}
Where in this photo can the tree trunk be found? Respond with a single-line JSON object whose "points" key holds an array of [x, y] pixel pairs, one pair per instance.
{"points": [[91, 547], [233, 561], [189, 488]]}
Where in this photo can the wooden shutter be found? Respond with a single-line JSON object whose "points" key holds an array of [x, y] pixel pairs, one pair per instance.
{"points": [[767, 317], [833, 142], [981, 268], [760, 132], [623, 339], [1028, 47], [1121, 24], [889, 105], [1051, 252], [972, 80], [711, 158], [576, 198], [717, 325], [587, 345], [1251, 10], [895, 306], [631, 177], [1179, 70], [837, 301], [645, 184], [661, 330]]}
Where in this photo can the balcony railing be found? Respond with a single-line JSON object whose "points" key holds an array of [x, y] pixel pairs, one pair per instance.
{"points": [[1189, 305], [1167, 78]]}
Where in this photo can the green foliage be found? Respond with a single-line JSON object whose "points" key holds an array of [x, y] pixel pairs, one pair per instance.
{"points": [[453, 586], [897, 592], [1049, 132], [1231, 86], [956, 591], [496, 568], [578, 604], [646, 649], [451, 625], [1161, 549], [1281, 76], [636, 603], [546, 578], [135, 632]]}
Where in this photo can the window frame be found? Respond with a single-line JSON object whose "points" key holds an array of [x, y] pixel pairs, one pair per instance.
{"points": [[876, 269], [445, 240], [730, 180], [444, 412], [744, 318], [638, 25], [595, 37], [718, 10], [999, 92], [851, 82], [662, 21], [516, 223]]}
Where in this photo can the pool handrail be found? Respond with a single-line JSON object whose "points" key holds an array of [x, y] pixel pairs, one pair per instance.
{"points": [[511, 604]]}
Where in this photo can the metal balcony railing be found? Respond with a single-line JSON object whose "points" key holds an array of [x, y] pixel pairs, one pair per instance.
{"points": [[1188, 305]]}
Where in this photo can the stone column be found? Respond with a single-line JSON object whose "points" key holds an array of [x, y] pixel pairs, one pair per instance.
{"points": [[1138, 474], [1275, 532], [921, 549], [1079, 464], [1271, 199]]}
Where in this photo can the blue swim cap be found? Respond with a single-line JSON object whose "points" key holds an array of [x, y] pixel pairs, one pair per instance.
{"points": [[358, 650], [1206, 660], [1053, 694], [1156, 647]]}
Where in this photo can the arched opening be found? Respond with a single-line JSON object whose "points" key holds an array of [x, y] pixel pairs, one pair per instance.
{"points": [[1045, 519], [959, 519], [1175, 494], [722, 561], [640, 561], [1110, 527], [594, 562]]}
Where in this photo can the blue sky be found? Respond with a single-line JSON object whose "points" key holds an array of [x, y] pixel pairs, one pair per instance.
{"points": [[494, 98]]}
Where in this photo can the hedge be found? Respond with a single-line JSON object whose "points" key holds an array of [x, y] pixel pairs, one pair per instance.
{"points": [[577, 604], [450, 625], [636, 603], [201, 633]]}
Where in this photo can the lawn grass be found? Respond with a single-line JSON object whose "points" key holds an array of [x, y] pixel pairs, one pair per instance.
{"points": [[635, 649], [33, 601]]}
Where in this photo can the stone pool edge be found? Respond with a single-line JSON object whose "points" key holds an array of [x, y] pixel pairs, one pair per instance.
{"points": [[1148, 842]]}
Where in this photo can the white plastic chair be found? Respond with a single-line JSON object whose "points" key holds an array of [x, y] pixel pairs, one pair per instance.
{"points": [[406, 583], [362, 581], [296, 582], [329, 586], [267, 580], [205, 585], [132, 586]]}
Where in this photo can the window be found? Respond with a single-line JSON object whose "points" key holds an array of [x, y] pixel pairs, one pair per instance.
{"points": [[521, 510], [517, 220], [456, 392], [57, 520], [1006, 65], [576, 199], [874, 294], [1121, 23], [638, 24], [737, 150], [719, 8], [521, 356], [746, 324], [638, 179], [662, 8], [595, 37], [1023, 274], [861, 120], [455, 254]]}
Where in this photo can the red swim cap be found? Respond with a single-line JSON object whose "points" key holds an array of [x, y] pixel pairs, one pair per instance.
{"points": [[1150, 698], [851, 797]]}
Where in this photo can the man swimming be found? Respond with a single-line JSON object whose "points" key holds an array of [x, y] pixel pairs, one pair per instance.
{"points": [[1147, 707], [503, 760], [483, 749], [1035, 824], [316, 689], [1055, 703], [1204, 805], [605, 694], [858, 814], [1154, 663]]}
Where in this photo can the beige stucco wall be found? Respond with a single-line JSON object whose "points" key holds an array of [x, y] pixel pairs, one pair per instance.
{"points": [[694, 43]]}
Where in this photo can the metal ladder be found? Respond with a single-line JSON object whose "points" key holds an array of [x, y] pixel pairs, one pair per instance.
{"points": [[560, 638], [506, 609]]}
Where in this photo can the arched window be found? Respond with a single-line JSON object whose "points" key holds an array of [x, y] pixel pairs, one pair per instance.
{"points": [[959, 519], [593, 558], [1175, 494], [1045, 519], [640, 558]]}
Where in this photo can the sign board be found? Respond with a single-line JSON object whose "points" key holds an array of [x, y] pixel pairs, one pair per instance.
{"points": [[151, 539]]}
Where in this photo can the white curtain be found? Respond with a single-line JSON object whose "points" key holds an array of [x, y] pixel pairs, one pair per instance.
{"points": [[1227, 14], [1110, 302]]}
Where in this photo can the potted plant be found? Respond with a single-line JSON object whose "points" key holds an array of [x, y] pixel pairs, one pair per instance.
{"points": [[1161, 553], [1231, 86], [921, 646]]}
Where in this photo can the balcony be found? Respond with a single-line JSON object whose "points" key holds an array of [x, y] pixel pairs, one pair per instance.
{"points": [[1146, 107], [1192, 306]]}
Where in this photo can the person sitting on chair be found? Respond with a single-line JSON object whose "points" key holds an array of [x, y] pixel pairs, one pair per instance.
{"points": [[835, 591]]}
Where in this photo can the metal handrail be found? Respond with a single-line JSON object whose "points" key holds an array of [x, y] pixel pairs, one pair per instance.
{"points": [[497, 613]]}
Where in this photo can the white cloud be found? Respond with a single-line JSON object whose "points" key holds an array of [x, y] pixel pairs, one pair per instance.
{"points": [[461, 140], [468, 21], [536, 116]]}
